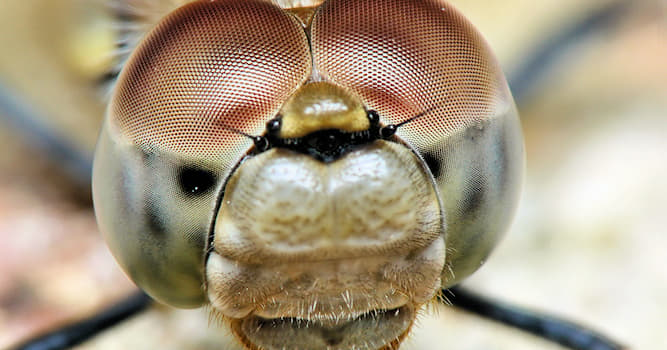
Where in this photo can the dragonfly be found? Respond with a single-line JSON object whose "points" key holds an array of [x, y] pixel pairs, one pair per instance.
{"points": [[386, 130]]}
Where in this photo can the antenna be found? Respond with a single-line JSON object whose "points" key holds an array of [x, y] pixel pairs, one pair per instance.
{"points": [[389, 130], [261, 142]]}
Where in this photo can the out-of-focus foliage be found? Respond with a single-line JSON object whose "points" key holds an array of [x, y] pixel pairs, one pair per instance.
{"points": [[54, 52]]}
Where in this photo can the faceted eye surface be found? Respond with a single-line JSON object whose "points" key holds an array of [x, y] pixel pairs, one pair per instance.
{"points": [[167, 145], [206, 67], [406, 57]]}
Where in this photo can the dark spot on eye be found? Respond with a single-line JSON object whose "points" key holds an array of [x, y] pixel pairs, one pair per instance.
{"points": [[473, 197], [503, 161], [154, 218], [195, 181], [146, 156], [475, 132], [433, 163]]}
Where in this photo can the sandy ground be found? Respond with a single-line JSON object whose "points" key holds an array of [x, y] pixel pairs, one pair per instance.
{"points": [[589, 242]]}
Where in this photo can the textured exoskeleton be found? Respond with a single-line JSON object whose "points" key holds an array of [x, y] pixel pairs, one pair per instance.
{"points": [[315, 173]]}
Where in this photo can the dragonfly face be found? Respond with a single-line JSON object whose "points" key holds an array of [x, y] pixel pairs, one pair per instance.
{"points": [[386, 165]]}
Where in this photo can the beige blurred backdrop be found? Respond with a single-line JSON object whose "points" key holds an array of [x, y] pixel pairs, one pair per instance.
{"points": [[589, 242]]}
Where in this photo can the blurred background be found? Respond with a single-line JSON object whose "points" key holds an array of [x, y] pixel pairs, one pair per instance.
{"points": [[589, 242]]}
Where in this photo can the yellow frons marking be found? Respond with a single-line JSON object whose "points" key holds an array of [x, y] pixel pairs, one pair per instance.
{"points": [[319, 106], [304, 14]]}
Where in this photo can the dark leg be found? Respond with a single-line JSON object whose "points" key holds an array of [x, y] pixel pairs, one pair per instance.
{"points": [[560, 331], [80, 331]]}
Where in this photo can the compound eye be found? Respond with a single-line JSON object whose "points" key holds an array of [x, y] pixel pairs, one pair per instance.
{"points": [[407, 57], [205, 70], [205, 74], [423, 58]]}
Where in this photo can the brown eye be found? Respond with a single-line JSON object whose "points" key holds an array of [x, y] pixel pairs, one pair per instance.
{"points": [[201, 77], [195, 181]]}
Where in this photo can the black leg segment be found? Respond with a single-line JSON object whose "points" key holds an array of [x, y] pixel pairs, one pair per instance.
{"points": [[80, 331], [565, 333]]}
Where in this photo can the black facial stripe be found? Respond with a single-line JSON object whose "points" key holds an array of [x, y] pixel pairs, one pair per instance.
{"points": [[326, 145]]}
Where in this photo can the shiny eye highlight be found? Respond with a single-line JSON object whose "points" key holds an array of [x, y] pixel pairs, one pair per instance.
{"points": [[195, 181]]}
